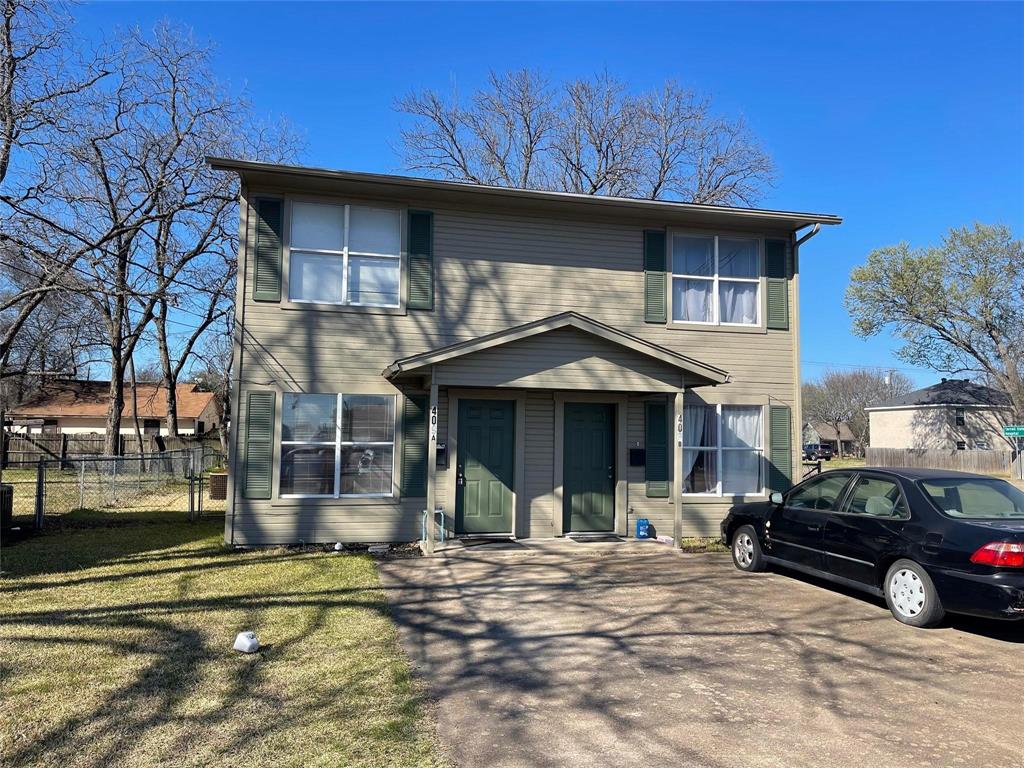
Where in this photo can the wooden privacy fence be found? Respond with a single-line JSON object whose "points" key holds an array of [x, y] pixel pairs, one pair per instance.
{"points": [[19, 450], [984, 462]]}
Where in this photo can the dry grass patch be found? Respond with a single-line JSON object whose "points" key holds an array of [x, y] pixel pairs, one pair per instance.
{"points": [[115, 649]]}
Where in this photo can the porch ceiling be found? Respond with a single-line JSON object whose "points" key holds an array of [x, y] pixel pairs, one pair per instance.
{"points": [[564, 351]]}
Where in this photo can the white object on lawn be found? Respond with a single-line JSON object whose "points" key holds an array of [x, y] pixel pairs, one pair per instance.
{"points": [[666, 540], [338, 547], [247, 642], [378, 549]]}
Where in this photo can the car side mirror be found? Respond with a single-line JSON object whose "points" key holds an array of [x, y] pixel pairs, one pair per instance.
{"points": [[775, 498]]}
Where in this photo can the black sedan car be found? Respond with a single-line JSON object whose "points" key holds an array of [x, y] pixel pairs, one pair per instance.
{"points": [[927, 540]]}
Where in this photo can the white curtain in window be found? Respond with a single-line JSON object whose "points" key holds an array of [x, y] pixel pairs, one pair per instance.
{"points": [[737, 258], [737, 302], [741, 455], [693, 434], [693, 255], [741, 472], [741, 426], [691, 300]]}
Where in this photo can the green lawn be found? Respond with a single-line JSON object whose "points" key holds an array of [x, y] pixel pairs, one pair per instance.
{"points": [[847, 462], [115, 649]]}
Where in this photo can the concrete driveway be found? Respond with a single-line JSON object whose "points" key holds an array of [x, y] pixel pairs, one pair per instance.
{"points": [[632, 655]]}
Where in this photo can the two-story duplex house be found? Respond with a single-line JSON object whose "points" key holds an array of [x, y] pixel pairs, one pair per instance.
{"points": [[535, 363]]}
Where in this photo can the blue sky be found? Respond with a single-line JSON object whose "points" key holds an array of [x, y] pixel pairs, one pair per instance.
{"points": [[905, 119]]}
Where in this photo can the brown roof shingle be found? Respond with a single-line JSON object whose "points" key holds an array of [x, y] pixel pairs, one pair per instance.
{"points": [[91, 398]]}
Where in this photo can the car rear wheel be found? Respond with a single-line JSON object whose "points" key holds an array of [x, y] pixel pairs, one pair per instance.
{"points": [[746, 550], [911, 595]]}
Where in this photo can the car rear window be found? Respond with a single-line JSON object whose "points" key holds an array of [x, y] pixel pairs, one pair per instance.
{"points": [[975, 498]]}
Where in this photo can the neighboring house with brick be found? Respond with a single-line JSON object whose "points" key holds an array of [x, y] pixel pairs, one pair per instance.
{"points": [[953, 414], [535, 363], [76, 407]]}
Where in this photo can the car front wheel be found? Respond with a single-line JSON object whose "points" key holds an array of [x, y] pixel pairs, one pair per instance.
{"points": [[911, 595], [746, 550]]}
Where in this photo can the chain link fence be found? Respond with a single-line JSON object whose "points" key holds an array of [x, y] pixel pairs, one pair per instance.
{"points": [[146, 486]]}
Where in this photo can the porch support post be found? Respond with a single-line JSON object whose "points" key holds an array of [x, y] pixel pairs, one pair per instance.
{"points": [[432, 533], [677, 463]]}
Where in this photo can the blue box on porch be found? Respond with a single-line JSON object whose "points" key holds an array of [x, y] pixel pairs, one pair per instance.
{"points": [[643, 528]]}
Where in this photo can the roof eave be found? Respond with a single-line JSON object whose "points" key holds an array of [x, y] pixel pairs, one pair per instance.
{"points": [[685, 364], [913, 406], [791, 219]]}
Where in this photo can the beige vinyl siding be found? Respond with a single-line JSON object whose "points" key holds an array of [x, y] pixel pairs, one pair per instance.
{"points": [[540, 457], [565, 358], [659, 511], [494, 271]]}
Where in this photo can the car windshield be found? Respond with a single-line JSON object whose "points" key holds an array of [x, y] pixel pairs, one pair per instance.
{"points": [[975, 497]]}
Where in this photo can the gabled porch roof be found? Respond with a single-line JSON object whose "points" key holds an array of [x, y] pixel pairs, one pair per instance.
{"points": [[610, 338]]}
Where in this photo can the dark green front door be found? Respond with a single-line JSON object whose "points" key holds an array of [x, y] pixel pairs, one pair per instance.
{"points": [[484, 469], [588, 470]]}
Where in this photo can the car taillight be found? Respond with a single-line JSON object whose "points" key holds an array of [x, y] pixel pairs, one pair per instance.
{"points": [[1002, 554]]}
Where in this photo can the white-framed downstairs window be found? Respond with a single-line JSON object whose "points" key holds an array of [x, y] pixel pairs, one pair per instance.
{"points": [[345, 254], [336, 445], [716, 280], [723, 450]]}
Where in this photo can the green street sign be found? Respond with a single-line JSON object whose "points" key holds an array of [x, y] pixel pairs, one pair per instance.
{"points": [[1013, 430]]}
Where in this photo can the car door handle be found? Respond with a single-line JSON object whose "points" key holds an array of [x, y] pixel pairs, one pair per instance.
{"points": [[813, 527]]}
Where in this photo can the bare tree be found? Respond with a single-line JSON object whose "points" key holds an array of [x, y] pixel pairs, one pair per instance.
{"points": [[134, 185], [216, 359], [55, 340], [207, 241], [43, 81], [841, 397], [827, 402], [590, 136]]}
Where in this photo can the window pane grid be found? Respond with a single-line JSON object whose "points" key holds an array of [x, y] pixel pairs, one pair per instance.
{"points": [[377, 278], [338, 468], [742, 269], [716, 467]]}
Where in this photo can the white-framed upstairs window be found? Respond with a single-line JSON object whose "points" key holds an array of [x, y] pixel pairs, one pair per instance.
{"points": [[723, 450], [345, 254], [716, 280], [336, 445]]}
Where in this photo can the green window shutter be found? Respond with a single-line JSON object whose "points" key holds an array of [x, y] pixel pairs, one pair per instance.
{"points": [[776, 270], [780, 448], [421, 260], [655, 279], [656, 440], [266, 281], [414, 446], [258, 469]]}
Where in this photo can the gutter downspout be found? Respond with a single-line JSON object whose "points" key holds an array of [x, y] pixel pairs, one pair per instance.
{"points": [[814, 230], [798, 411]]}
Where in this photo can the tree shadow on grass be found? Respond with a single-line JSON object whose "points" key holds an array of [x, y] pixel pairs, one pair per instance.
{"points": [[183, 696], [100, 539]]}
